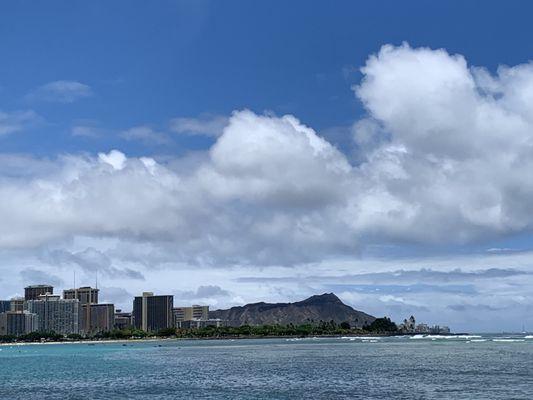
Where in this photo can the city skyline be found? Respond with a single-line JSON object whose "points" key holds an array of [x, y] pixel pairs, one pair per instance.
{"points": [[232, 153], [78, 314]]}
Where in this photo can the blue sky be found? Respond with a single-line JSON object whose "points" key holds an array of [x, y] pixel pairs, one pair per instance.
{"points": [[303, 145], [146, 64]]}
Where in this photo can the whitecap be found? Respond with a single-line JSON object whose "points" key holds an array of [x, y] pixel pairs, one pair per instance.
{"points": [[445, 337]]}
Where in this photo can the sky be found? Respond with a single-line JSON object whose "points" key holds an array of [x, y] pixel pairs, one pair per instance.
{"points": [[234, 152]]}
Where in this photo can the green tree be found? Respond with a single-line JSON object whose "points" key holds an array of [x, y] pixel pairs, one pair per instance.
{"points": [[166, 332], [345, 325], [382, 325]]}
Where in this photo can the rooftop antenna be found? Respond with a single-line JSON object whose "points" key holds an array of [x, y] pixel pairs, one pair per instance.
{"points": [[96, 279], [74, 279]]}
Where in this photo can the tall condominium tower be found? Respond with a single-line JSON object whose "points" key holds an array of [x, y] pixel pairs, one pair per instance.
{"points": [[34, 291], [88, 298], [152, 313], [86, 294], [55, 314], [5, 305], [17, 323], [17, 304], [96, 318]]}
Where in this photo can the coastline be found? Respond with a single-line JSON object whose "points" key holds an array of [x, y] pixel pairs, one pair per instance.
{"points": [[161, 339], [88, 341]]}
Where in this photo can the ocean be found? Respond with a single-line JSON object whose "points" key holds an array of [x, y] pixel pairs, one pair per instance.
{"points": [[416, 367]]}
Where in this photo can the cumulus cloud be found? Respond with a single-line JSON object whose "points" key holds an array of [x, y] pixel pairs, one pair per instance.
{"points": [[444, 155], [268, 192], [456, 163], [444, 148], [204, 125], [62, 91]]}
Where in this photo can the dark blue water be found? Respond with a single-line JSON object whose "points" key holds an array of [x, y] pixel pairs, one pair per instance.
{"points": [[342, 368]]}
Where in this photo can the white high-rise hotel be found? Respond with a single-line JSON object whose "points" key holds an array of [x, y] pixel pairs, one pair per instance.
{"points": [[55, 314]]}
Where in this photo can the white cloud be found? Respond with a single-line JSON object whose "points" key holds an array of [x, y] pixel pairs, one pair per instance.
{"points": [[85, 131], [206, 125], [62, 91], [268, 191], [458, 157], [212, 295], [115, 159], [444, 157], [92, 262], [146, 135], [35, 276], [443, 146], [11, 122]]}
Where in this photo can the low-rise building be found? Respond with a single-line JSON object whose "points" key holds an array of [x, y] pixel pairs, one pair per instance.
{"points": [[122, 320], [200, 323], [437, 329], [195, 312]]}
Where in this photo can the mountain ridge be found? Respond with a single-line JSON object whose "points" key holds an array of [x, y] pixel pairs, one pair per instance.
{"points": [[324, 307]]}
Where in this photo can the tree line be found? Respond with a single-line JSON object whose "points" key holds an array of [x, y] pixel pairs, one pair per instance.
{"points": [[378, 326]]}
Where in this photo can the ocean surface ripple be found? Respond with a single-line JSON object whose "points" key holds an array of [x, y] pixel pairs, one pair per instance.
{"points": [[416, 367]]}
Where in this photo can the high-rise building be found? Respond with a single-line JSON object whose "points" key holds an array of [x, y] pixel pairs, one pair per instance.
{"points": [[5, 305], [55, 315], [152, 313], [195, 312], [17, 323], [17, 304], [34, 291], [96, 318], [86, 294], [88, 297], [122, 320]]}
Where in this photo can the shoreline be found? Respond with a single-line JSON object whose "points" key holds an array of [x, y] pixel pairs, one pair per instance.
{"points": [[161, 339], [87, 341]]}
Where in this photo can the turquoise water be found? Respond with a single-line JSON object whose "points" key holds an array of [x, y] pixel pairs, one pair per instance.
{"points": [[340, 368]]}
